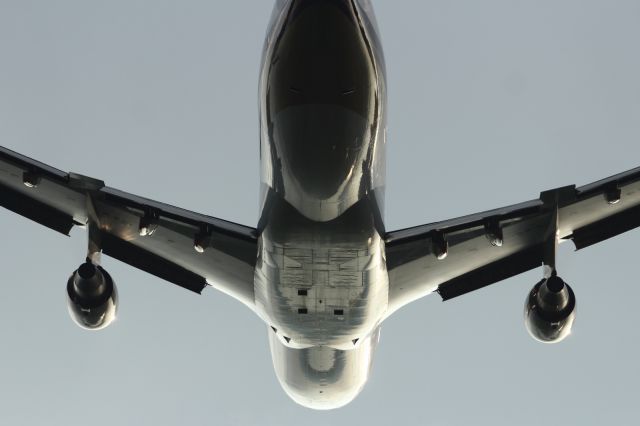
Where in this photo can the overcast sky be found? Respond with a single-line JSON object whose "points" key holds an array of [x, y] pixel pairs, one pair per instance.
{"points": [[490, 103]]}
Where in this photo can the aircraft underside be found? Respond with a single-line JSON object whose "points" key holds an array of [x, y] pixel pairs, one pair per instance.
{"points": [[321, 281], [319, 268]]}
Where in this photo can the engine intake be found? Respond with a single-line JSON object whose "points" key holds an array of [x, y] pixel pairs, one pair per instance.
{"points": [[550, 310], [92, 297]]}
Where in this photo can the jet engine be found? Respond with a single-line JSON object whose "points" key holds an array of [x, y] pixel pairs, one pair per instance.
{"points": [[550, 310], [92, 297]]}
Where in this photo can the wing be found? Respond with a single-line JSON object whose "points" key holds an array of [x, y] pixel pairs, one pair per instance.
{"points": [[116, 220], [484, 248]]}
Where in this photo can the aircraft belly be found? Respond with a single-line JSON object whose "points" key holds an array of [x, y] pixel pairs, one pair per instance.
{"points": [[322, 377], [321, 291]]}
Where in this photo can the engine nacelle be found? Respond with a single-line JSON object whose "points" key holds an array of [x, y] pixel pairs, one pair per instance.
{"points": [[550, 310], [92, 297]]}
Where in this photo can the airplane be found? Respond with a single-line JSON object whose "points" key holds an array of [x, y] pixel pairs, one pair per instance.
{"points": [[319, 268]]}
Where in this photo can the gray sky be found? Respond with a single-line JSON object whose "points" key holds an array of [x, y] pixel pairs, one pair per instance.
{"points": [[490, 103]]}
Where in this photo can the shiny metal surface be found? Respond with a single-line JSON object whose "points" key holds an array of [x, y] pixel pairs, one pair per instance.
{"points": [[323, 377], [320, 280], [550, 310], [92, 297], [321, 283]]}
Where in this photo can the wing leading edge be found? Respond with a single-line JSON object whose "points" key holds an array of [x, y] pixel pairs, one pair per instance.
{"points": [[60, 200], [484, 248]]}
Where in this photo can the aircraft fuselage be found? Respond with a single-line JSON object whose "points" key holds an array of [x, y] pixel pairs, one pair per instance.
{"points": [[320, 279]]}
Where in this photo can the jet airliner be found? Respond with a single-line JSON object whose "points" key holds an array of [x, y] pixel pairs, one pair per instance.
{"points": [[319, 267]]}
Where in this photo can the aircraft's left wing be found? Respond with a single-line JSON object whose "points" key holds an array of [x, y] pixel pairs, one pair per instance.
{"points": [[155, 237], [456, 256]]}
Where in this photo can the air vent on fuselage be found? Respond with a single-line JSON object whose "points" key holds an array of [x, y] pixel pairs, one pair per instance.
{"points": [[302, 292], [338, 312], [302, 310]]}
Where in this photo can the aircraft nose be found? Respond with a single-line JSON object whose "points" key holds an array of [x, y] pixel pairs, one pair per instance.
{"points": [[322, 377], [318, 400]]}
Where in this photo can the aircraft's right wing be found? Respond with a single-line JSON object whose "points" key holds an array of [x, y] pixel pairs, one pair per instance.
{"points": [[60, 200], [484, 248]]}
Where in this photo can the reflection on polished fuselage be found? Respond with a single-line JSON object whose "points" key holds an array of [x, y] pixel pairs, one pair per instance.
{"points": [[320, 279]]}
